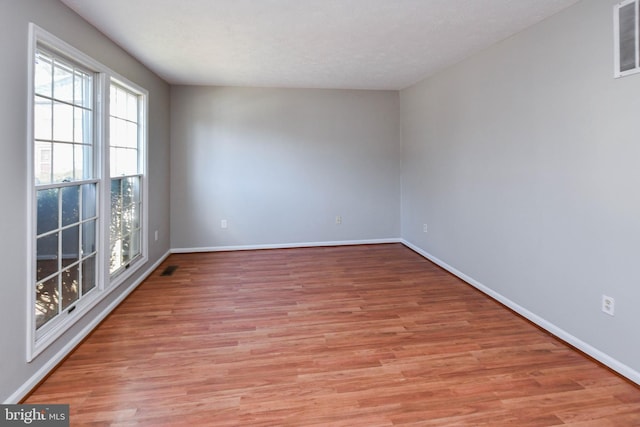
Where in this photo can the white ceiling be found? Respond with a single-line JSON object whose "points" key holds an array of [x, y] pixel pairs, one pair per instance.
{"points": [[356, 44]]}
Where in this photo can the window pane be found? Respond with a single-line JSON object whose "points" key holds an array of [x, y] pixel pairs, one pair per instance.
{"points": [[113, 162], [116, 207], [135, 244], [62, 122], [88, 237], [116, 251], [113, 100], [70, 206], [42, 162], [78, 162], [126, 249], [83, 161], [70, 286], [136, 188], [126, 221], [43, 74], [47, 298], [123, 133], [114, 132], [114, 230], [83, 89], [116, 190], [126, 161], [42, 120], [88, 201], [128, 191], [135, 214], [82, 131], [130, 162], [62, 82], [88, 274], [70, 245], [47, 210], [121, 103], [62, 162], [131, 135], [132, 107], [46, 256]]}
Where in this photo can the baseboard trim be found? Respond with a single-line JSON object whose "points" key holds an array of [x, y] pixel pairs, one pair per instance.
{"points": [[612, 363], [285, 245], [41, 373]]}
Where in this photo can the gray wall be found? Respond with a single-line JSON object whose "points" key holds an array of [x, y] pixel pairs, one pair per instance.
{"points": [[63, 23], [280, 164], [523, 161]]}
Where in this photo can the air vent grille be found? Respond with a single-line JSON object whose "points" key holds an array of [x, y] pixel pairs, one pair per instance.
{"points": [[169, 270], [626, 17]]}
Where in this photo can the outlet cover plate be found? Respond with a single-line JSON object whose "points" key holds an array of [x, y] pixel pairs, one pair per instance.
{"points": [[608, 305]]}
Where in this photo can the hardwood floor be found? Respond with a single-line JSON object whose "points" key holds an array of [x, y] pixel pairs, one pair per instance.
{"points": [[341, 336]]}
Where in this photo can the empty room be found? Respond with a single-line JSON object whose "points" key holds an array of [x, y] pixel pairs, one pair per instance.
{"points": [[320, 212]]}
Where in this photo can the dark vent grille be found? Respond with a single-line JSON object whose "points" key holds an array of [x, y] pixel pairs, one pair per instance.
{"points": [[627, 50], [169, 270]]}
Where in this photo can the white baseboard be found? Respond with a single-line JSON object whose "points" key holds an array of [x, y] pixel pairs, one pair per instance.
{"points": [[598, 355], [64, 351], [285, 245]]}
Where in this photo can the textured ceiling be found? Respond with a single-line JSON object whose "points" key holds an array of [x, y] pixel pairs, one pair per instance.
{"points": [[357, 44]]}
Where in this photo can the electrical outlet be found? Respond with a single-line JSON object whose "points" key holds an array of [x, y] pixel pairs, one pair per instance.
{"points": [[424, 228], [608, 305], [338, 219], [223, 223], [156, 235]]}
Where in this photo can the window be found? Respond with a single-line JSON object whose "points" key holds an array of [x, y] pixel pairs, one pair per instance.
{"points": [[627, 48], [87, 142], [126, 180], [65, 185]]}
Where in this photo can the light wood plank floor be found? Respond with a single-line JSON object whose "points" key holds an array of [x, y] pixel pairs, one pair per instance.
{"points": [[344, 336]]}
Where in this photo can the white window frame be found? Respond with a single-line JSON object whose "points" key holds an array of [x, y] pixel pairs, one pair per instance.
{"points": [[617, 73], [38, 341]]}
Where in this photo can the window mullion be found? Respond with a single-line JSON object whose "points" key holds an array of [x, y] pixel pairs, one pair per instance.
{"points": [[101, 133]]}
